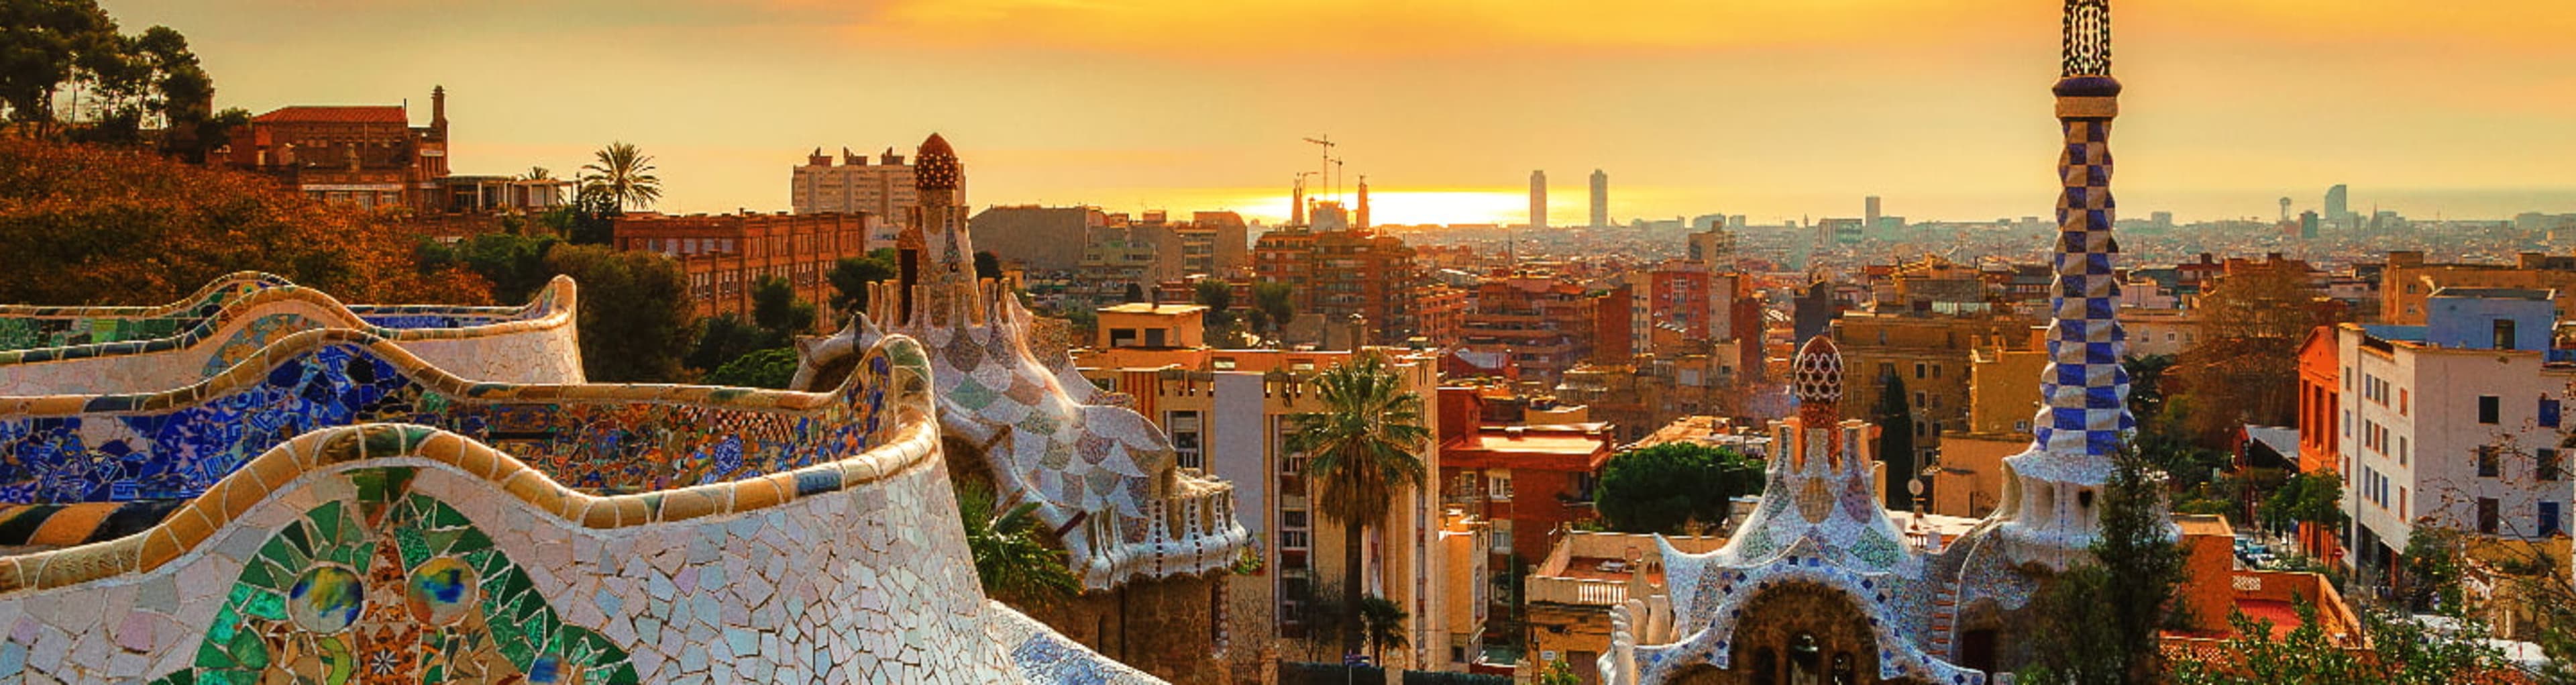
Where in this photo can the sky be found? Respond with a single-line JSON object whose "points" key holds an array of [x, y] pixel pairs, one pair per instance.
{"points": [[1774, 109]]}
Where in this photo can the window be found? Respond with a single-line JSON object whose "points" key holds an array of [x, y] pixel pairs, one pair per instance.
{"points": [[2546, 465], [1185, 438], [2504, 334], [2549, 519], [2488, 460], [2487, 515], [1921, 371], [2401, 450], [1936, 371], [2489, 407], [1499, 484], [1887, 369], [2548, 413], [1502, 535], [2401, 401]]}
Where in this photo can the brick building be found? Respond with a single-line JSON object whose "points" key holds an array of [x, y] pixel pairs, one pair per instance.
{"points": [[724, 255], [1527, 480], [1336, 274], [365, 155]]}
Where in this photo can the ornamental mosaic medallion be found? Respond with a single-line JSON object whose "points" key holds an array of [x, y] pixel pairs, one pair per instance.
{"points": [[392, 587]]}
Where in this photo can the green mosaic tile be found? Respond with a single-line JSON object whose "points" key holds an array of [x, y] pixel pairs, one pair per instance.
{"points": [[517, 624]]}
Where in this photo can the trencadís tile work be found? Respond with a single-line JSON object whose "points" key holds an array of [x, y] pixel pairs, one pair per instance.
{"points": [[337, 508], [128, 350]]}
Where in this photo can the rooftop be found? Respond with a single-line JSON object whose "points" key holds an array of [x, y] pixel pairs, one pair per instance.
{"points": [[337, 114], [2494, 293], [1151, 308]]}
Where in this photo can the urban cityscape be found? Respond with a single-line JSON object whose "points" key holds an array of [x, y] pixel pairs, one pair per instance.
{"points": [[1744, 344]]}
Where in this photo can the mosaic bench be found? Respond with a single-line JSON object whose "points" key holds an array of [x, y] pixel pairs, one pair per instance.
{"points": [[534, 343], [33, 326], [345, 511]]}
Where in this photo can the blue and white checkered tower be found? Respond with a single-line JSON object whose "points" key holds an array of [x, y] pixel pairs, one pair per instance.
{"points": [[2052, 509]]}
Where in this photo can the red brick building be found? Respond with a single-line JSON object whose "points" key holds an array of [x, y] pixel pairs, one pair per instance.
{"points": [[1545, 324], [1340, 273], [726, 254], [367, 155], [1528, 481]]}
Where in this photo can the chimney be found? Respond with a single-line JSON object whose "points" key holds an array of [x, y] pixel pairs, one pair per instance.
{"points": [[438, 110]]}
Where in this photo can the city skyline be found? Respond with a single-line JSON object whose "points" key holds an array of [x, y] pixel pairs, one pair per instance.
{"points": [[2426, 111]]}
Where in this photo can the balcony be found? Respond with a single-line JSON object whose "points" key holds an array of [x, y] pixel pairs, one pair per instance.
{"points": [[1576, 591]]}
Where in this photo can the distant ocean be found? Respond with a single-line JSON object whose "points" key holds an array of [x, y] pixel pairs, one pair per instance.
{"points": [[1566, 206]]}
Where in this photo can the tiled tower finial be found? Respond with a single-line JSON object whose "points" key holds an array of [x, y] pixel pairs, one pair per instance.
{"points": [[2087, 47]]}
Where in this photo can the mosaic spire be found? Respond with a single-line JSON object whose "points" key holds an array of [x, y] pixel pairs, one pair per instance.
{"points": [[2084, 390], [1818, 384]]}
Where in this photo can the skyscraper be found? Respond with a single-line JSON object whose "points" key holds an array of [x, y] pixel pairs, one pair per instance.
{"points": [[2338, 206], [1600, 199], [1869, 212], [1538, 199]]}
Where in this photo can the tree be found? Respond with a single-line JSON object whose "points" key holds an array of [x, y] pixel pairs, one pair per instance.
{"points": [[538, 173], [1896, 441], [772, 368], [2404, 651], [1361, 453], [86, 225], [635, 317], [514, 264], [2245, 368], [775, 309], [1659, 488], [590, 218], [1135, 293], [1218, 296], [1275, 304], [851, 275], [42, 48], [624, 175], [1383, 621], [987, 266], [2097, 622], [1011, 562], [723, 338], [1559, 673], [2436, 557], [2310, 498]]}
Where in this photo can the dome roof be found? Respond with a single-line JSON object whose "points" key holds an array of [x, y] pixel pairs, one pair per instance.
{"points": [[1817, 372]]}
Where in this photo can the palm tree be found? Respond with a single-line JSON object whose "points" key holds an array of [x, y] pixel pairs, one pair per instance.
{"points": [[623, 174], [1361, 453], [1383, 621], [538, 173], [1014, 565]]}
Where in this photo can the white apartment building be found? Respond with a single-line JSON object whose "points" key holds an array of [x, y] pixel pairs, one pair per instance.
{"points": [[2458, 423], [1229, 414], [883, 189]]}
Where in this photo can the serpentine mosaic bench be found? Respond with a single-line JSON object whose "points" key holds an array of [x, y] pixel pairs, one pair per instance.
{"points": [[235, 318], [335, 508], [33, 326]]}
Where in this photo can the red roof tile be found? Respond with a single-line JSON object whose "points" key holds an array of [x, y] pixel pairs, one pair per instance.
{"points": [[338, 114]]}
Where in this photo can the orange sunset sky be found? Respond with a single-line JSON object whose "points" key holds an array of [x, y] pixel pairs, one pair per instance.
{"points": [[1773, 109]]}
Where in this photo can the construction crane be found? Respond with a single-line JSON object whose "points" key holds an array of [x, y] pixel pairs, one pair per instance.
{"points": [[1327, 166]]}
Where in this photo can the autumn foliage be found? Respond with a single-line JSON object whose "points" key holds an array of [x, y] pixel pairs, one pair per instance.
{"points": [[102, 226]]}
